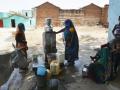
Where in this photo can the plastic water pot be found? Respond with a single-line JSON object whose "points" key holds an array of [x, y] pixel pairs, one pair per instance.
{"points": [[55, 67], [60, 57]]}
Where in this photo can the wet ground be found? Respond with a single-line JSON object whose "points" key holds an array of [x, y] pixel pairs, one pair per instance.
{"points": [[71, 79], [72, 76]]}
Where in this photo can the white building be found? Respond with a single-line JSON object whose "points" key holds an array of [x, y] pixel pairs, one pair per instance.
{"points": [[114, 13]]}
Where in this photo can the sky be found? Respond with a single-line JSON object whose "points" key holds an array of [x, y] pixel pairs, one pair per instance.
{"points": [[11, 5]]}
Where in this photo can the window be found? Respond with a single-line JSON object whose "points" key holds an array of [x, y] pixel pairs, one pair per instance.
{"points": [[26, 14], [13, 22], [30, 22]]}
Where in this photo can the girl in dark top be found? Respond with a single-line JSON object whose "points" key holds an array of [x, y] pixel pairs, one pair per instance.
{"points": [[20, 38]]}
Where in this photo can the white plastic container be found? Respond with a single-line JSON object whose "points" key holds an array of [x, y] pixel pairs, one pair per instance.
{"points": [[55, 67], [38, 60], [85, 71], [41, 61], [60, 57]]}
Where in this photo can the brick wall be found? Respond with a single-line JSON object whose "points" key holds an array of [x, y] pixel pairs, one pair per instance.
{"points": [[92, 14], [104, 17], [47, 10], [89, 15], [75, 15]]}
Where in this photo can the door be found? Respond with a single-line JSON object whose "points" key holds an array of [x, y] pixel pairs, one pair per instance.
{"points": [[1, 23], [13, 22]]}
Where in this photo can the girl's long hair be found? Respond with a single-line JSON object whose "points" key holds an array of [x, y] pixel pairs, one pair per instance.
{"points": [[20, 31], [21, 27]]}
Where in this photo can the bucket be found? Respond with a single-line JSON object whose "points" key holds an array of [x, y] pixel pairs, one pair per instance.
{"points": [[55, 67], [41, 71], [41, 78], [37, 61]]}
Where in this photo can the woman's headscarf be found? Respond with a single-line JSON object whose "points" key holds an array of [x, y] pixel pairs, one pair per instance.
{"points": [[68, 24], [69, 28]]}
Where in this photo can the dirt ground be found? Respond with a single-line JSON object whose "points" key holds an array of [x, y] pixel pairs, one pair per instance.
{"points": [[90, 38]]}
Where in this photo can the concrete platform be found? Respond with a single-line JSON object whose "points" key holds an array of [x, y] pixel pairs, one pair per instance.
{"points": [[4, 68]]}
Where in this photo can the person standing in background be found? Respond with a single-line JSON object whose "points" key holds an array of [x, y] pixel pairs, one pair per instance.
{"points": [[116, 29], [21, 39]]}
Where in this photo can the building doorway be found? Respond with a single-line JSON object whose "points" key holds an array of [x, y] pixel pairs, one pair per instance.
{"points": [[13, 22], [1, 23]]}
